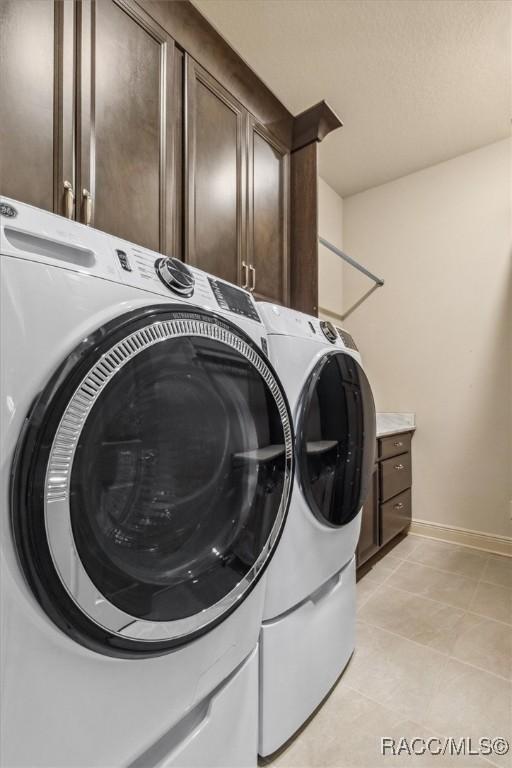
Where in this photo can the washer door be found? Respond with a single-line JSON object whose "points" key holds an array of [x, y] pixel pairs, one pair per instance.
{"points": [[336, 438], [153, 481]]}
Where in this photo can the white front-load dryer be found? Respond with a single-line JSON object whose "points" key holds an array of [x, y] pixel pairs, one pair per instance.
{"points": [[146, 463], [308, 632]]}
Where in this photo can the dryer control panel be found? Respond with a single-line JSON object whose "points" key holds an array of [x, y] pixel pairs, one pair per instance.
{"points": [[290, 322]]}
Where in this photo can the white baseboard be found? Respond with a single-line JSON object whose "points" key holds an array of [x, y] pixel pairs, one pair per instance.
{"points": [[500, 545]]}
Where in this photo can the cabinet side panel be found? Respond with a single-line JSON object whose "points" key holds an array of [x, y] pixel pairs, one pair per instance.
{"points": [[304, 230], [268, 217]]}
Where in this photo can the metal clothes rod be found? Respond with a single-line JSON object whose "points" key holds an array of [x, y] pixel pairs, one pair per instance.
{"points": [[351, 261]]}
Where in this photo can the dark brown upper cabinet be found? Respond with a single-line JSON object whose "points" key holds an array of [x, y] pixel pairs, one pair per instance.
{"points": [[126, 113], [267, 202], [136, 116], [37, 92], [236, 191], [94, 106], [215, 176]]}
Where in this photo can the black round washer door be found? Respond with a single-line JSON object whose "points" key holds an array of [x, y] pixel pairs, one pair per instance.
{"points": [[163, 477], [336, 439]]}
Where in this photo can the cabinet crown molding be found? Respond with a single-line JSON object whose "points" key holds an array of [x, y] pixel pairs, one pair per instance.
{"points": [[314, 124]]}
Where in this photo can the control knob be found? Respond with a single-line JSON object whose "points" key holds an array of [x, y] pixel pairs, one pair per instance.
{"points": [[175, 275], [329, 331]]}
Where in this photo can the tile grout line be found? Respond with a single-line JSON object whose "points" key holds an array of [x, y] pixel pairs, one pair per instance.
{"points": [[486, 556], [489, 618], [425, 597], [478, 581], [477, 584], [444, 657], [464, 547], [397, 567], [447, 656], [467, 609], [482, 581], [407, 639], [442, 570], [379, 584], [446, 605], [405, 718]]}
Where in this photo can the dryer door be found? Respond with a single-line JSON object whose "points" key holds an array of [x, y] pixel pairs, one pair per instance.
{"points": [[336, 438], [153, 481]]}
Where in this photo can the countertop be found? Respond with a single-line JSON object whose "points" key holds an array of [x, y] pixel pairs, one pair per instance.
{"points": [[392, 423]]}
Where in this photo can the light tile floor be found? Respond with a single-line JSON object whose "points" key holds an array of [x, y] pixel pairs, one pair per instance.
{"points": [[433, 658]]}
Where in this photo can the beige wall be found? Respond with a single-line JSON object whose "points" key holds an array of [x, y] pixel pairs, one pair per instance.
{"points": [[330, 266], [437, 338]]}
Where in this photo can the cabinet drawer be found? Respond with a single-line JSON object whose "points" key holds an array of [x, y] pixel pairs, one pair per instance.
{"points": [[395, 476], [393, 444], [395, 515]]}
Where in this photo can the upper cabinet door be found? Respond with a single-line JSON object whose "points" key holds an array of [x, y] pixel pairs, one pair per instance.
{"points": [[267, 237], [36, 93], [127, 110], [215, 170]]}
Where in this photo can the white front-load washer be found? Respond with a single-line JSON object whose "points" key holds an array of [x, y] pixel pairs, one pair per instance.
{"points": [[146, 464], [308, 632]]}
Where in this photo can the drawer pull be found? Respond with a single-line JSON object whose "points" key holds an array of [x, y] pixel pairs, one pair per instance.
{"points": [[398, 443], [398, 467], [400, 505]]}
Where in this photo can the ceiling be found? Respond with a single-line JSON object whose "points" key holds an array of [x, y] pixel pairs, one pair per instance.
{"points": [[414, 81]]}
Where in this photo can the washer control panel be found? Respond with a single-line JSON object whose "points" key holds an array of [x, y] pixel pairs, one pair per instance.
{"points": [[233, 299], [151, 271]]}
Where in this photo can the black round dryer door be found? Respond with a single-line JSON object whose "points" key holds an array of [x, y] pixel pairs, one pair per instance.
{"points": [[153, 481], [336, 439]]}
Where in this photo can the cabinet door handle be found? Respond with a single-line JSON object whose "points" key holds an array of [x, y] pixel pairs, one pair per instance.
{"points": [[400, 505], [87, 200], [69, 200], [398, 444], [245, 275], [252, 270], [398, 467]]}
